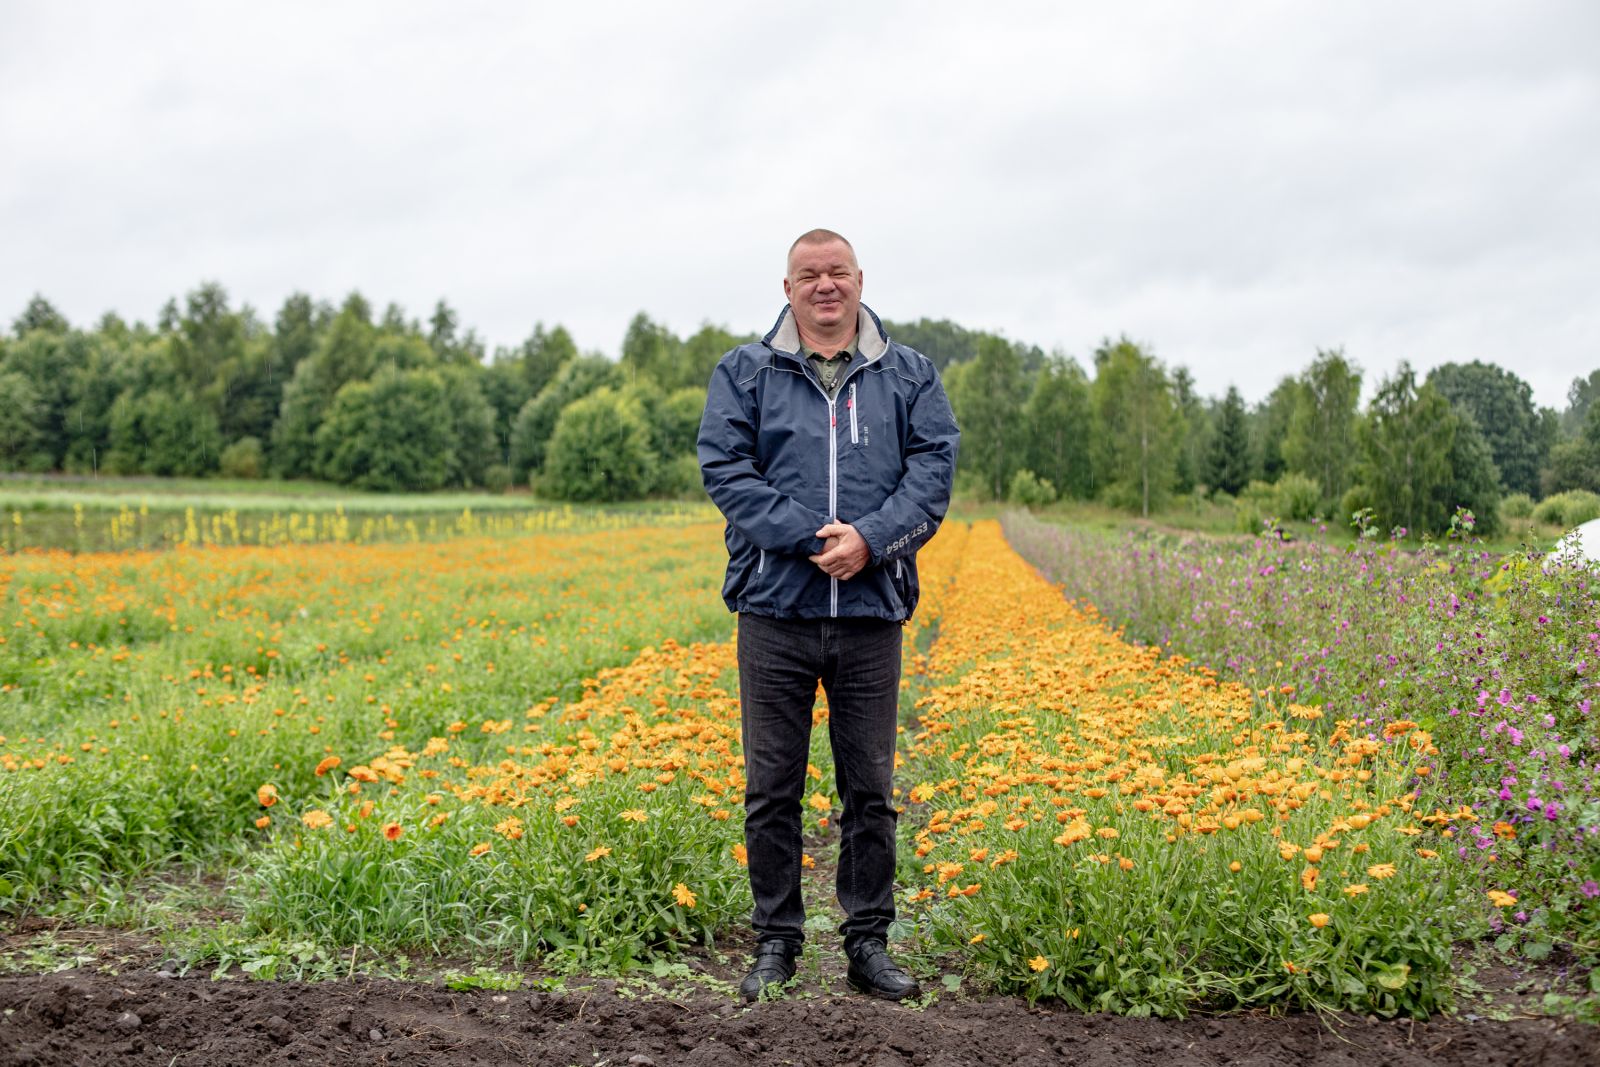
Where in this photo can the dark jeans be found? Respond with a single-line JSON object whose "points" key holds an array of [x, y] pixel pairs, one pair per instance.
{"points": [[858, 663]]}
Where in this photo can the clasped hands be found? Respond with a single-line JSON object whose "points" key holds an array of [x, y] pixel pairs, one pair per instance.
{"points": [[844, 551]]}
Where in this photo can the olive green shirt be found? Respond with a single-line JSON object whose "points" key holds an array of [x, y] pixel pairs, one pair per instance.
{"points": [[830, 369]]}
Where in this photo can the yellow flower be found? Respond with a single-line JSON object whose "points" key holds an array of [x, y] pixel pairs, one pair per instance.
{"points": [[1501, 899], [1381, 871], [317, 820], [633, 815], [596, 854], [976, 938], [1038, 963], [1354, 890], [821, 802], [1319, 920], [681, 894], [509, 828]]}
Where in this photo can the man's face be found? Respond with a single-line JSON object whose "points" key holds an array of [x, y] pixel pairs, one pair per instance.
{"points": [[823, 286]]}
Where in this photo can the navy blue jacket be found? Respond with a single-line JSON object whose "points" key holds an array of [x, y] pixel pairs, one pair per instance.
{"points": [[780, 459]]}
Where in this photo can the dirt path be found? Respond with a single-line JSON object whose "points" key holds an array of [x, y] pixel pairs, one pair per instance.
{"points": [[77, 1018]]}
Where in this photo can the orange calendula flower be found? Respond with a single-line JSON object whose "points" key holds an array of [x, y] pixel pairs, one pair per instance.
{"points": [[741, 855], [267, 795], [633, 815], [807, 860], [480, 848], [1038, 963], [682, 895], [597, 854], [392, 831], [1501, 899], [1505, 830], [1308, 879], [820, 802], [509, 828], [328, 764], [317, 820], [1427, 853], [976, 939], [263, 822], [1381, 871], [947, 871], [1319, 919], [1354, 890]]}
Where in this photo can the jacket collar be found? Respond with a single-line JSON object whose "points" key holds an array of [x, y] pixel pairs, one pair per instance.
{"points": [[871, 339]]}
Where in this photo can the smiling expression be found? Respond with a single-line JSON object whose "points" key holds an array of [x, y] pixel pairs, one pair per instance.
{"points": [[824, 288]]}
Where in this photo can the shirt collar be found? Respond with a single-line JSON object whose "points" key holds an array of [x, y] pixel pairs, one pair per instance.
{"points": [[850, 352]]}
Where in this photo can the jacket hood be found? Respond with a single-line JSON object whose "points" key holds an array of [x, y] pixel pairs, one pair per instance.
{"points": [[871, 340]]}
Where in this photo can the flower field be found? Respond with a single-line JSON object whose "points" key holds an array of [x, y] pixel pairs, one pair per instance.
{"points": [[1495, 657], [525, 745]]}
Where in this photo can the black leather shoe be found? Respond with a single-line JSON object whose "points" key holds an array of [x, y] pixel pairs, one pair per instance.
{"points": [[872, 971], [774, 966]]}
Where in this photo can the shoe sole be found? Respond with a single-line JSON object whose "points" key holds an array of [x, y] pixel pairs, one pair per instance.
{"points": [[867, 988]]}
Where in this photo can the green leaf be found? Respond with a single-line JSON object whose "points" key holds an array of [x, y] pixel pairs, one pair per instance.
{"points": [[1394, 977], [1537, 950]]}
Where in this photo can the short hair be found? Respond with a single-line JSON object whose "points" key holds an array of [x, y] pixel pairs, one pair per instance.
{"points": [[821, 237]]}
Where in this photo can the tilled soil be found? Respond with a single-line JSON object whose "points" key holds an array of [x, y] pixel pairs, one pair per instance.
{"points": [[82, 1017]]}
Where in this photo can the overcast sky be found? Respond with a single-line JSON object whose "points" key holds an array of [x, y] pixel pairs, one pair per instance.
{"points": [[1236, 184]]}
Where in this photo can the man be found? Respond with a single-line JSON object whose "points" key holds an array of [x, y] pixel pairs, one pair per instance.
{"points": [[830, 451]]}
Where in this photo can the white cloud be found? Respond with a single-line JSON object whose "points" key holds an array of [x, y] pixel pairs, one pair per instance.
{"points": [[1236, 185]]}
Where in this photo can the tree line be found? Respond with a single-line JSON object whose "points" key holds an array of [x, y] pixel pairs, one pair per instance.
{"points": [[385, 402]]}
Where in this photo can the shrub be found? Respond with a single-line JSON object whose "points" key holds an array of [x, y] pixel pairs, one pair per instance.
{"points": [[497, 477], [1516, 506], [1297, 497], [1572, 508], [600, 451], [1256, 502], [243, 459], [1356, 498], [1029, 490], [680, 477]]}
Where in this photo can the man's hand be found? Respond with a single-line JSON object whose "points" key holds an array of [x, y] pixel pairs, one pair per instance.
{"points": [[844, 552]]}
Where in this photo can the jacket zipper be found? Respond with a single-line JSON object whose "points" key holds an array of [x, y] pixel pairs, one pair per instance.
{"points": [[833, 471], [852, 406], [833, 494]]}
